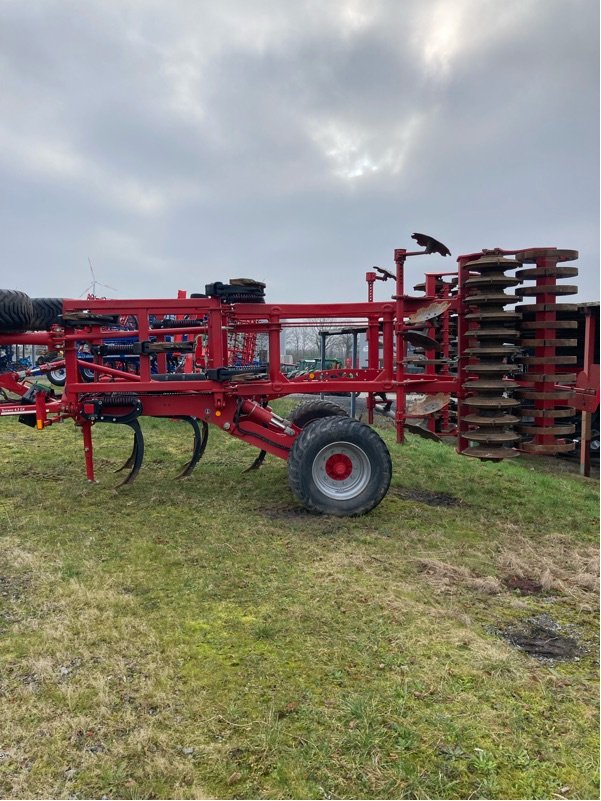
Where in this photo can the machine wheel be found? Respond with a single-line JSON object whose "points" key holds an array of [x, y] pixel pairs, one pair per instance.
{"points": [[50, 356], [315, 410], [594, 445], [46, 312], [16, 311], [57, 377], [339, 466]]}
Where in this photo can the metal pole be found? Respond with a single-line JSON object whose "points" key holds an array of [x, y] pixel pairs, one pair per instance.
{"points": [[323, 335], [354, 365], [586, 417]]}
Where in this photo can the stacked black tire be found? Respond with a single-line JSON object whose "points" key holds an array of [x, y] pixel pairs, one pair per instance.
{"points": [[19, 312]]}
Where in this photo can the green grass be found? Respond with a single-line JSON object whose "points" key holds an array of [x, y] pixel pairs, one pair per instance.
{"points": [[200, 638]]}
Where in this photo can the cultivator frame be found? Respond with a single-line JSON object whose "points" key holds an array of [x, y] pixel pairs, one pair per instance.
{"points": [[335, 466]]}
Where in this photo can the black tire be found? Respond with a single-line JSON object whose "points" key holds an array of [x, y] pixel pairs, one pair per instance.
{"points": [[57, 377], [315, 410], [594, 444], [339, 466], [46, 312], [16, 311], [50, 356]]}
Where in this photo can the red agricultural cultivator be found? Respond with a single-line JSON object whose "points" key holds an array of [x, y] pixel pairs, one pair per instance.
{"points": [[460, 359]]}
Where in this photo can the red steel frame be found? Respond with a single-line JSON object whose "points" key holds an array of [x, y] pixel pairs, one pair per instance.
{"points": [[239, 404], [236, 405]]}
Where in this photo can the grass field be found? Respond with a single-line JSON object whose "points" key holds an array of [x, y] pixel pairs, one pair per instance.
{"points": [[205, 638]]}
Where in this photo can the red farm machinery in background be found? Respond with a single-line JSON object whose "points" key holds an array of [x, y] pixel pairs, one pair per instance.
{"points": [[458, 358]]}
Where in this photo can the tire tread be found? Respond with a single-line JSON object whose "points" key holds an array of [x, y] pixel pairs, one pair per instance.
{"points": [[16, 311]]}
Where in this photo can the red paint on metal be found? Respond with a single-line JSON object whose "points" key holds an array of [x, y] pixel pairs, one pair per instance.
{"points": [[339, 467]]}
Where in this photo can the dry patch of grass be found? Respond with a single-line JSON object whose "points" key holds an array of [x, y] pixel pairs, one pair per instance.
{"points": [[562, 566], [445, 577]]}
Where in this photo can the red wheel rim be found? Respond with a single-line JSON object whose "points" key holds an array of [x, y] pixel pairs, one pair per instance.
{"points": [[339, 467]]}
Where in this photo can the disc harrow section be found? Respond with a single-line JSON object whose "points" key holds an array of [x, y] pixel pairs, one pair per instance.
{"points": [[548, 347], [489, 413]]}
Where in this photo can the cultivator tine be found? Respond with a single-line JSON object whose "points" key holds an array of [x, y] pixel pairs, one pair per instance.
{"points": [[130, 462], [257, 462], [201, 437], [137, 455]]}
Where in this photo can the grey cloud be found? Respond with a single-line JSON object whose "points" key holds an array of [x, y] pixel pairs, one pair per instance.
{"points": [[181, 143]]}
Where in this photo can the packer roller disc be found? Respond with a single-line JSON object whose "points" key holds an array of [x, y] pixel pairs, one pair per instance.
{"points": [[545, 343], [533, 394], [491, 298], [491, 402], [547, 430], [497, 386], [495, 280], [492, 368], [489, 350], [547, 272], [547, 289], [491, 315], [483, 435], [549, 360], [546, 307], [491, 262], [555, 378], [549, 414], [534, 255], [548, 450], [493, 333], [492, 420], [556, 325]]}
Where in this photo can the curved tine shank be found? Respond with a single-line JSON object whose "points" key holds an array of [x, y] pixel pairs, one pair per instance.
{"points": [[130, 461], [200, 443], [137, 453], [257, 463]]}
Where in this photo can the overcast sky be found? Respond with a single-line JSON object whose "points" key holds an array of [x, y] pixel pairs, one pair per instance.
{"points": [[180, 142]]}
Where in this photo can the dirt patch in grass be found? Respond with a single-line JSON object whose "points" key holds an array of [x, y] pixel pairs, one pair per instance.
{"points": [[544, 639], [12, 587], [424, 496], [523, 584]]}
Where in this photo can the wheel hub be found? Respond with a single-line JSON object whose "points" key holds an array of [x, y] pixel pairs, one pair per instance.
{"points": [[341, 470], [339, 466]]}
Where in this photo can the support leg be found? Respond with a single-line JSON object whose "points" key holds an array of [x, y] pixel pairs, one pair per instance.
{"points": [[86, 430]]}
